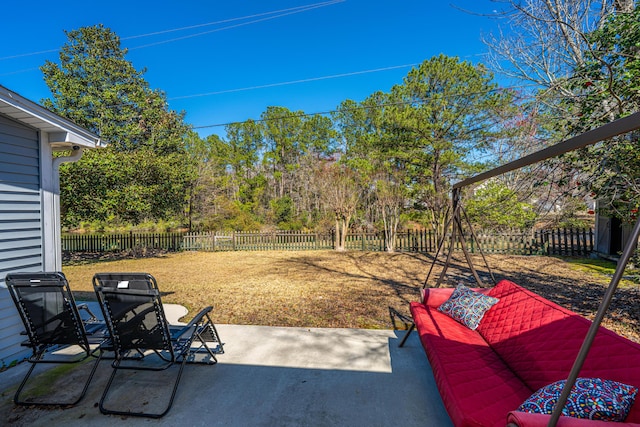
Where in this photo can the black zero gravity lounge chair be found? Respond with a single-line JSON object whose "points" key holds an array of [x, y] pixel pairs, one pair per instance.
{"points": [[143, 340], [56, 332]]}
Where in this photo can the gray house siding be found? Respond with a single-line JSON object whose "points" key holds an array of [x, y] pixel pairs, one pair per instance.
{"points": [[21, 233], [30, 135]]}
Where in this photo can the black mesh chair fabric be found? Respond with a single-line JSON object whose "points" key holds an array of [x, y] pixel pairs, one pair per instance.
{"points": [[132, 307], [137, 319], [52, 318], [52, 322]]}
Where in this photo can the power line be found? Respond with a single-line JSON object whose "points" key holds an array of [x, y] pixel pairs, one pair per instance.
{"points": [[312, 79], [291, 82], [224, 21], [280, 13], [357, 107], [236, 25], [24, 70]]}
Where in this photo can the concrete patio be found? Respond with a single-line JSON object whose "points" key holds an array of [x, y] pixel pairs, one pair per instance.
{"points": [[270, 376]]}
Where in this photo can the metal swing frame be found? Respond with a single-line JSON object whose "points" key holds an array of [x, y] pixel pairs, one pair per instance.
{"points": [[454, 227], [610, 130]]}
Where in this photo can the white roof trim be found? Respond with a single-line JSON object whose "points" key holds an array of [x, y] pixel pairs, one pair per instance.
{"points": [[62, 132]]}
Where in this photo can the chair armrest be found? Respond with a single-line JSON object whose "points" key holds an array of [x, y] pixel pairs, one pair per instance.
{"points": [[434, 297], [198, 317], [85, 307], [197, 320]]}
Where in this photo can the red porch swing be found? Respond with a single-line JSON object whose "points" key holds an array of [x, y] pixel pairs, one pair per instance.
{"points": [[455, 228]]}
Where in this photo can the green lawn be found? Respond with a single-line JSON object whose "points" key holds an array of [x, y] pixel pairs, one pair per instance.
{"points": [[603, 267]]}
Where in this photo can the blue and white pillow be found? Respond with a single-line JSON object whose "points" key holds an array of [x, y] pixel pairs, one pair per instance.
{"points": [[590, 398], [467, 306]]}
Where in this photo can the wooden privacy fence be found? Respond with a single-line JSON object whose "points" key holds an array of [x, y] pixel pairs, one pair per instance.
{"points": [[567, 242], [407, 241]]}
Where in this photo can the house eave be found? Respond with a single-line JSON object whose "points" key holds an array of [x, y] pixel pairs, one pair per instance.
{"points": [[63, 134]]}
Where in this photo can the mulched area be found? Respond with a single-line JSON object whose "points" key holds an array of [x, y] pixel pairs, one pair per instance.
{"points": [[79, 258]]}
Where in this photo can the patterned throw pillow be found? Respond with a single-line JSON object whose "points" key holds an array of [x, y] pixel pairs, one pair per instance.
{"points": [[590, 398], [467, 306]]}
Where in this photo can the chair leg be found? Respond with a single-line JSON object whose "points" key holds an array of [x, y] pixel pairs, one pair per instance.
{"points": [[406, 335], [16, 397], [203, 335], [18, 401], [105, 410]]}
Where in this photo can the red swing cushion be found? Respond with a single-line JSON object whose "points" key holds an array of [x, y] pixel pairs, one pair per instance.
{"points": [[540, 340], [524, 342]]}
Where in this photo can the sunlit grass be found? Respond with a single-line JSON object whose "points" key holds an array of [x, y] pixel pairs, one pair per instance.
{"points": [[279, 288], [350, 289], [603, 268]]}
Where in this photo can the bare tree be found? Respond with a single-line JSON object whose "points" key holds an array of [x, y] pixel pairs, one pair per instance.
{"points": [[391, 197], [543, 41], [340, 194], [549, 44]]}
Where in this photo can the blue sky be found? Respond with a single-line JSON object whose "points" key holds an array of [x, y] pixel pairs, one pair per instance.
{"points": [[224, 62]]}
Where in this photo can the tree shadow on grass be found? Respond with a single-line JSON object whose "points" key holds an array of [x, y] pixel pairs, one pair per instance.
{"points": [[384, 271]]}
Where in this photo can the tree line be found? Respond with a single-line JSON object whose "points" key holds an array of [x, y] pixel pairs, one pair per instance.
{"points": [[380, 163]]}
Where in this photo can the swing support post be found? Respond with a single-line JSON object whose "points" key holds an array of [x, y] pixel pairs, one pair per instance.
{"points": [[440, 246], [457, 235], [597, 321]]}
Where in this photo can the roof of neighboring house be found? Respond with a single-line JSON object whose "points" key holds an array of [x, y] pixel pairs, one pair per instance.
{"points": [[63, 134]]}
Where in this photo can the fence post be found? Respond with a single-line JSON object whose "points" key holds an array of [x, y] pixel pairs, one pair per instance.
{"points": [[431, 238], [576, 237], [531, 242]]}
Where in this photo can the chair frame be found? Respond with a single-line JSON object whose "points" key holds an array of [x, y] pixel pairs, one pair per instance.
{"points": [[69, 332], [173, 345]]}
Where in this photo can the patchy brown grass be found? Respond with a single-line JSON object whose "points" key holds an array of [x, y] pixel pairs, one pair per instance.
{"points": [[346, 289]]}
